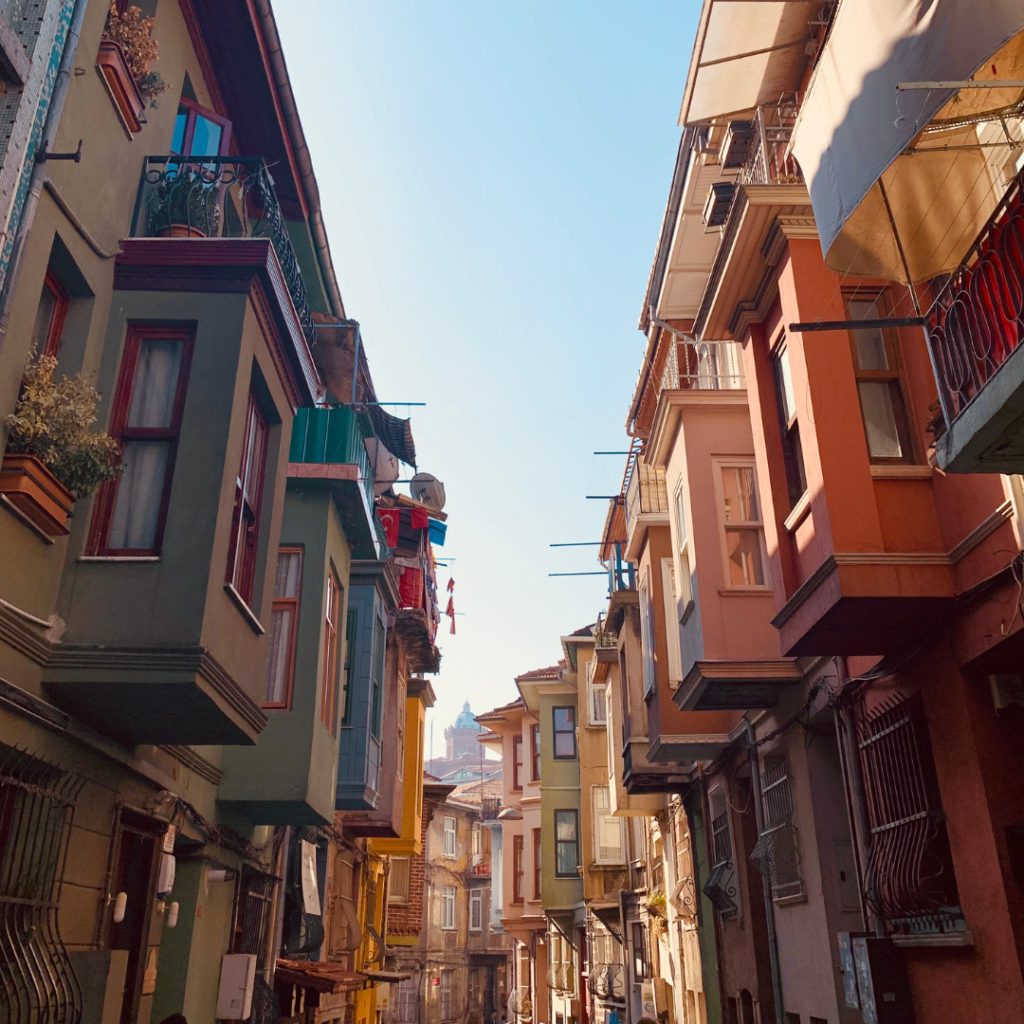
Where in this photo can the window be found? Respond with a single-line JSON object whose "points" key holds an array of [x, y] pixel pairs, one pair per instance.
{"points": [[640, 960], [448, 907], [567, 844], [398, 883], [401, 728], [476, 839], [407, 1003], [351, 625], [535, 751], [721, 885], [284, 622], [517, 869], [449, 837], [517, 762], [50, 316], [476, 910], [684, 588], [198, 131], [380, 644], [669, 593], [741, 526], [597, 703], [792, 453], [537, 834], [775, 854], [647, 634], [245, 519], [447, 1006], [878, 383], [564, 720], [146, 421], [608, 838], [332, 661]]}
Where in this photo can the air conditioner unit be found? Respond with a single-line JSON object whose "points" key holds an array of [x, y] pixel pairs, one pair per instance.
{"points": [[237, 976], [739, 140], [718, 204]]}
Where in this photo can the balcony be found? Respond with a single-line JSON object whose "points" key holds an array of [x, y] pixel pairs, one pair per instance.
{"points": [[768, 161], [646, 503], [974, 336], [328, 449], [219, 197]]}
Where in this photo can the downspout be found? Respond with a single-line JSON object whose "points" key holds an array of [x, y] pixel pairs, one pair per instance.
{"points": [[769, 903], [28, 211], [279, 914], [302, 157]]}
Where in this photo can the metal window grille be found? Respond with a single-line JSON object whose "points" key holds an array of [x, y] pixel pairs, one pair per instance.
{"points": [[258, 898], [720, 887], [37, 981], [909, 878], [776, 854]]}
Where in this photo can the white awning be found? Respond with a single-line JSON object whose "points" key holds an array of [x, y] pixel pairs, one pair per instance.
{"points": [[855, 129], [747, 53]]}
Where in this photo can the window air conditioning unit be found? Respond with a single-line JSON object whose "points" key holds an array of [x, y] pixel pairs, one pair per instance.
{"points": [[718, 204], [739, 140]]}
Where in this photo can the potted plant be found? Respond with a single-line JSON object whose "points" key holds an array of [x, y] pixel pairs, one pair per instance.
{"points": [[52, 458], [126, 52], [185, 206]]}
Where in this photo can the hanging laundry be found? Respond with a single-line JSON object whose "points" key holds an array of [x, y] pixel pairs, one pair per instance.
{"points": [[438, 531], [410, 588], [389, 518], [450, 610], [451, 584], [419, 520], [453, 624]]}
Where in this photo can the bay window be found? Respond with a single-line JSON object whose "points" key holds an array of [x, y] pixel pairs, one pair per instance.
{"points": [[741, 525], [245, 519], [567, 844], [792, 453], [608, 839], [283, 629], [146, 421]]}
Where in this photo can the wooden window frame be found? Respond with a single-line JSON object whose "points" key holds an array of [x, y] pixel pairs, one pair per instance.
{"points": [[535, 762], [724, 525], [285, 604], [246, 515], [893, 377], [197, 109], [566, 842], [103, 508], [332, 642], [476, 896], [556, 732], [517, 869], [61, 301], [517, 764], [397, 899], [538, 843], [789, 428]]}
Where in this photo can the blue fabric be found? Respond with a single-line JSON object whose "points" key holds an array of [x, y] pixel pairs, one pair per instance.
{"points": [[437, 532]]}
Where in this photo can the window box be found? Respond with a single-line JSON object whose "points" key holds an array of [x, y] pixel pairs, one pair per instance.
{"points": [[128, 101], [36, 493]]}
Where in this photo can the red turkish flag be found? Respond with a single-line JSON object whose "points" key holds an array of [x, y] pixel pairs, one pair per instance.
{"points": [[419, 519], [389, 518]]}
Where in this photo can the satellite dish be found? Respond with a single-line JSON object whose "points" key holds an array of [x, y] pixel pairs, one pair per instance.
{"points": [[427, 488], [383, 465]]}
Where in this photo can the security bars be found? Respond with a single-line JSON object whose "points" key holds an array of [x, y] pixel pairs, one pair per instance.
{"points": [[775, 855], [719, 887], [258, 901], [37, 981]]}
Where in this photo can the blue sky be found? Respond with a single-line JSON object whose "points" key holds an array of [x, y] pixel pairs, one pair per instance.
{"points": [[493, 178]]}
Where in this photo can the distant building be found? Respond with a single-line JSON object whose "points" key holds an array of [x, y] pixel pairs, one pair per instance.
{"points": [[466, 759]]}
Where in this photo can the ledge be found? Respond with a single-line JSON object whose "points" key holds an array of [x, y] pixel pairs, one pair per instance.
{"points": [[949, 940], [247, 613], [905, 472], [118, 558], [799, 513]]}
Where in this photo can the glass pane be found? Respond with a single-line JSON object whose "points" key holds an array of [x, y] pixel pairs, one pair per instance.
{"points": [[565, 744], [255, 457], [206, 137], [869, 343], [745, 567], [44, 315], [180, 120], [879, 420], [609, 838], [156, 383], [739, 495], [566, 858], [600, 799], [563, 719], [681, 518], [277, 658], [784, 384], [137, 507], [565, 826], [289, 571]]}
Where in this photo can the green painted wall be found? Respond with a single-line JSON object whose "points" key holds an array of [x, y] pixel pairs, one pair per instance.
{"points": [[705, 909]]}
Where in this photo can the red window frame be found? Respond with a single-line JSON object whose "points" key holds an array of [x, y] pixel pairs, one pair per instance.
{"points": [[517, 762], [61, 300], [286, 604], [194, 110], [517, 869], [535, 752], [245, 518], [536, 863], [332, 621], [107, 496]]}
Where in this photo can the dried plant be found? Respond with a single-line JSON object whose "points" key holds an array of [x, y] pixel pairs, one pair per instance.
{"points": [[51, 423], [134, 34]]}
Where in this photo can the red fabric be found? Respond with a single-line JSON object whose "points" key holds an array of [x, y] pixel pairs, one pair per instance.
{"points": [[451, 585], [450, 610], [410, 588], [453, 624], [389, 518], [419, 519]]}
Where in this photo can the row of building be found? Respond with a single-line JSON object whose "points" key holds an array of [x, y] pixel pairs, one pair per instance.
{"points": [[217, 615], [779, 779]]}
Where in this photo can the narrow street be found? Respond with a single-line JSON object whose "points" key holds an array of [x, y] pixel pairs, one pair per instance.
{"points": [[389, 635]]}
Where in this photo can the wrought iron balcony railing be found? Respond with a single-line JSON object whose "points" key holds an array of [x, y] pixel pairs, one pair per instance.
{"points": [[711, 366], [769, 161], [977, 321], [646, 492], [218, 197]]}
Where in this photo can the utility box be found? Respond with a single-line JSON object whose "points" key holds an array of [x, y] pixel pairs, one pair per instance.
{"points": [[882, 987], [237, 977], [739, 140], [718, 204], [656, 997]]}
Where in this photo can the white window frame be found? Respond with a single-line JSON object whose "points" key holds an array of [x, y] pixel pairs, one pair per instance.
{"points": [[758, 524], [476, 910], [448, 908], [683, 568], [672, 632], [398, 897], [450, 834], [647, 634], [599, 814], [592, 688]]}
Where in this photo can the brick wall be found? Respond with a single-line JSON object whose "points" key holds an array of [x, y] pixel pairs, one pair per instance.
{"points": [[407, 918]]}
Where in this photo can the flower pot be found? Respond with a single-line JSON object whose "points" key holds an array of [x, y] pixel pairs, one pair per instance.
{"points": [[128, 101], [181, 231], [35, 492]]}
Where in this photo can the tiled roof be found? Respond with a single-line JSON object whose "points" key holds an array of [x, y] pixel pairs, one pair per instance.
{"points": [[471, 792], [497, 712], [584, 631], [540, 673]]}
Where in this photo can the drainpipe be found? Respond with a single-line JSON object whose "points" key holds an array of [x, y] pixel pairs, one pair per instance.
{"points": [[28, 211], [769, 904], [274, 932], [279, 922]]}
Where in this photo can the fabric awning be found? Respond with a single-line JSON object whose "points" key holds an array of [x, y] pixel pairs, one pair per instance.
{"points": [[855, 129], [394, 433], [747, 52]]}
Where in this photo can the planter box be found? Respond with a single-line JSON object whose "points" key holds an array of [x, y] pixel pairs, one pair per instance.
{"points": [[128, 101], [36, 493]]}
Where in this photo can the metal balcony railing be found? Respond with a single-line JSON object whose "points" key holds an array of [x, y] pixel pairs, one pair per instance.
{"points": [[646, 492], [218, 197], [336, 436], [769, 162], [711, 366]]}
